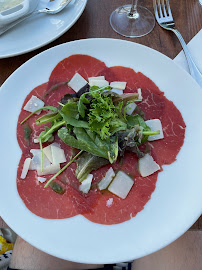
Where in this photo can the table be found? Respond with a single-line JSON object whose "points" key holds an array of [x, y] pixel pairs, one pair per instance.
{"points": [[94, 23]]}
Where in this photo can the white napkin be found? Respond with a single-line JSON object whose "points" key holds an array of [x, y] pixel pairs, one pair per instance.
{"points": [[195, 47]]}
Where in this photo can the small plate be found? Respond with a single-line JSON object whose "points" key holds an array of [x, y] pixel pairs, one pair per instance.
{"points": [[14, 12], [39, 30], [176, 202]]}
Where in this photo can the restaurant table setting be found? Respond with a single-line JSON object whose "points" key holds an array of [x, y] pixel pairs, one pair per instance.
{"points": [[34, 37]]}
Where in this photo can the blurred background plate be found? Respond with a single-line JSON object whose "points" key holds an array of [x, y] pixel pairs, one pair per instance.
{"points": [[40, 29]]}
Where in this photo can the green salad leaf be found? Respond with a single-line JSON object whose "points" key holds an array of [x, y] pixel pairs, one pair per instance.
{"points": [[104, 117], [48, 118], [87, 163], [45, 135], [95, 121], [81, 107], [83, 140], [51, 108], [70, 114], [63, 168]]}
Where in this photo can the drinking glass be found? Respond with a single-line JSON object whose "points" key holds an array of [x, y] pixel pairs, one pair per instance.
{"points": [[132, 20]]}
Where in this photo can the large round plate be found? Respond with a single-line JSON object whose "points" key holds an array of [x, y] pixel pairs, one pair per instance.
{"points": [[39, 30], [174, 206]]}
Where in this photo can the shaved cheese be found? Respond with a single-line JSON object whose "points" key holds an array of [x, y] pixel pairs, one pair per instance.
{"points": [[47, 151], [36, 160], [41, 179], [104, 183], [86, 184], [25, 168], [147, 165], [33, 104], [139, 93], [155, 124], [99, 83], [102, 78], [54, 153], [52, 169], [121, 185], [130, 108], [118, 85], [77, 82], [117, 91], [58, 154], [36, 141]]}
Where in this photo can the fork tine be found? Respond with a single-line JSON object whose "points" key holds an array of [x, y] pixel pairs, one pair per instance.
{"points": [[160, 10], [155, 9], [163, 7], [168, 9]]}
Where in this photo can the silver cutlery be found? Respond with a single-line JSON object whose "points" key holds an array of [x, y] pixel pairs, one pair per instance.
{"points": [[53, 7], [165, 19]]}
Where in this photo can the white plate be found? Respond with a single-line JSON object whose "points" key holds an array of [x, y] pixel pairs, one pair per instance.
{"points": [[174, 206], [39, 30]]}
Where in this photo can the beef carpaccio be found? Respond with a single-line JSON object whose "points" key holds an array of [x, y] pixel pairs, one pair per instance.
{"points": [[99, 207]]}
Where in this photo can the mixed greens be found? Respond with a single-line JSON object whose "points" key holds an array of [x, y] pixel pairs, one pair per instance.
{"points": [[95, 121]]}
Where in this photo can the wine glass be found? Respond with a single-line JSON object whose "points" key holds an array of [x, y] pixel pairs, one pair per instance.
{"points": [[132, 20]]}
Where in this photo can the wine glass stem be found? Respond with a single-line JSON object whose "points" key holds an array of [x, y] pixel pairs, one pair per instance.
{"points": [[133, 11]]}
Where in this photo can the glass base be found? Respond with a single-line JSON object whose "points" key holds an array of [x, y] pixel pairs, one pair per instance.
{"points": [[137, 25]]}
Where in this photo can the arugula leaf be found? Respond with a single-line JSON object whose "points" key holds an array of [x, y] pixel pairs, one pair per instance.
{"points": [[96, 89], [87, 143], [91, 134], [48, 118], [87, 163], [70, 114], [48, 131], [81, 106], [64, 168], [51, 108], [70, 109], [81, 139], [45, 135]]}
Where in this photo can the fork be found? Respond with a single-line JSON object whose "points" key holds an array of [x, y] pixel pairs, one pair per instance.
{"points": [[165, 19]]}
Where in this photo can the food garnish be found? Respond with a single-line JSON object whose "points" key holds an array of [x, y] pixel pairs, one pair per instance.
{"points": [[102, 122]]}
